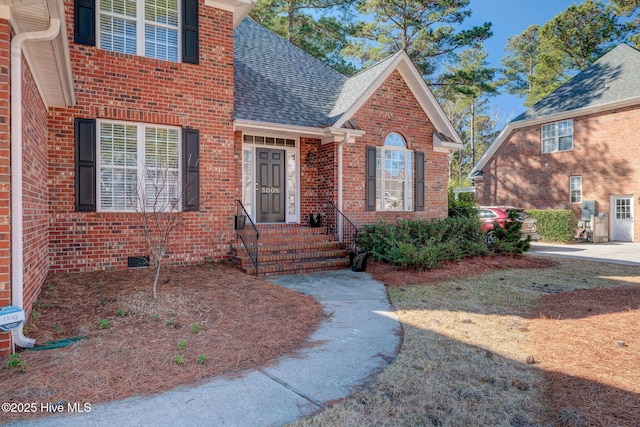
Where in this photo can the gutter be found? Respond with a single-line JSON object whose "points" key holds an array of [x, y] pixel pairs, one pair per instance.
{"points": [[17, 248], [347, 135]]}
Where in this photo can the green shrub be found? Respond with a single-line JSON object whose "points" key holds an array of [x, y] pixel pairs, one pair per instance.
{"points": [[509, 240], [556, 225], [464, 206], [426, 244]]}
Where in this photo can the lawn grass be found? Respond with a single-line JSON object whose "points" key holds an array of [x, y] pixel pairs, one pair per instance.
{"points": [[468, 355]]}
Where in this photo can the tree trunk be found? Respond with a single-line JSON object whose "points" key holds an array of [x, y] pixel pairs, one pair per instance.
{"points": [[156, 275]]}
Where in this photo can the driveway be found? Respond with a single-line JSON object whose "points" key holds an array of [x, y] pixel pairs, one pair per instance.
{"points": [[614, 252]]}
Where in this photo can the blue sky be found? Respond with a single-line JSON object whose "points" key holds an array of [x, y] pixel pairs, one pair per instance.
{"points": [[509, 18]]}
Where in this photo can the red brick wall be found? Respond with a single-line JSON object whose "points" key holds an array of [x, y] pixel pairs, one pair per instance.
{"points": [[35, 189], [605, 147], [125, 87], [393, 108], [5, 178]]}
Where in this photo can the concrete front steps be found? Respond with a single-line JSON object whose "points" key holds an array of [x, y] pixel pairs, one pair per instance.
{"points": [[291, 249]]}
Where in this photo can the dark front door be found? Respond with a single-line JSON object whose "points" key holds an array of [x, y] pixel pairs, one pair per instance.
{"points": [[270, 185]]}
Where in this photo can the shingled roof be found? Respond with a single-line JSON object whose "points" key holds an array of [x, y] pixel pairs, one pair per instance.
{"points": [[612, 78], [272, 76], [278, 83]]}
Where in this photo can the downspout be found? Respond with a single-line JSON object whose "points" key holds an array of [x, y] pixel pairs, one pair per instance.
{"points": [[17, 255], [340, 144]]}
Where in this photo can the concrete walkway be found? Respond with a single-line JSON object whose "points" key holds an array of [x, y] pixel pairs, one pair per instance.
{"points": [[614, 252], [358, 339]]}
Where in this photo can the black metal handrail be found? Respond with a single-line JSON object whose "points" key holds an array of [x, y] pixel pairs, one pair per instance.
{"points": [[339, 226], [248, 235]]}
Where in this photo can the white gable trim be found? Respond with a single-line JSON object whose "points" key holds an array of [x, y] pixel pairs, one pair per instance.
{"points": [[401, 62]]}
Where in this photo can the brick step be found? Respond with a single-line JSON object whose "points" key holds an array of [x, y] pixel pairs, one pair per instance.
{"points": [[275, 257], [282, 247], [296, 268], [285, 239], [291, 231], [290, 249]]}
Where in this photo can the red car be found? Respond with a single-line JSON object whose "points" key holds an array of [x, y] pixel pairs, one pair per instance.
{"points": [[490, 214]]}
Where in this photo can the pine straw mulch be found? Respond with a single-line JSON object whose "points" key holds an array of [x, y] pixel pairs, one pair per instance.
{"points": [[393, 276], [587, 343], [242, 322]]}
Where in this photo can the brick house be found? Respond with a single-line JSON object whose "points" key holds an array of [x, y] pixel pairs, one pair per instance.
{"points": [[115, 92], [576, 145]]}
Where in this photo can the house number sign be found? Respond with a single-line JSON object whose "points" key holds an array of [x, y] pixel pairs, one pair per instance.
{"points": [[270, 190], [11, 317]]}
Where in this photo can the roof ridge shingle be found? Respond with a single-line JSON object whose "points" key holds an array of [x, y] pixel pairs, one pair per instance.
{"points": [[611, 78]]}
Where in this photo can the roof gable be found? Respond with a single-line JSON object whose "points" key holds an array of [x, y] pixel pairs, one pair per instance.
{"points": [[276, 82]]}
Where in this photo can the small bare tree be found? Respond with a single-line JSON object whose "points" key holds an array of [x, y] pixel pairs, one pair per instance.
{"points": [[159, 200]]}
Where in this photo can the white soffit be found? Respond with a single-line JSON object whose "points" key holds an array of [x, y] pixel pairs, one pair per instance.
{"points": [[239, 8], [48, 60]]}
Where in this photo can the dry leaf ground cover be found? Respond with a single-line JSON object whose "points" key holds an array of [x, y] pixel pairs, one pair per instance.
{"points": [[206, 321], [555, 345]]}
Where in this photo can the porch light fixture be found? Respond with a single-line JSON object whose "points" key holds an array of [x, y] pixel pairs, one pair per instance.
{"points": [[311, 159]]}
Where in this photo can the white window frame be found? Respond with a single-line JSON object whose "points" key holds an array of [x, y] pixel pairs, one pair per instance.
{"points": [[575, 184], [386, 200], [551, 134], [140, 168], [141, 22]]}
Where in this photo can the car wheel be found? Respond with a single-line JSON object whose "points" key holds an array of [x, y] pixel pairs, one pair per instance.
{"points": [[490, 237]]}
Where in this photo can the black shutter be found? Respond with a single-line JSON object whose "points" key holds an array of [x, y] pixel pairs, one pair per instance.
{"points": [[419, 181], [190, 37], [85, 164], [84, 22], [191, 169], [370, 176]]}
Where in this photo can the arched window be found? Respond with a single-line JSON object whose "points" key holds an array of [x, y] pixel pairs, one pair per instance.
{"points": [[394, 175]]}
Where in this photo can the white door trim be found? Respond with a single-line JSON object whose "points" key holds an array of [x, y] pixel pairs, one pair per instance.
{"points": [[622, 228]]}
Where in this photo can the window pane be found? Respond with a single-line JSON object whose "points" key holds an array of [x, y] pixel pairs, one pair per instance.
{"points": [[565, 143], [119, 7], [247, 180], [118, 189], [161, 148], [161, 29], [394, 179], [161, 43], [118, 162], [161, 190], [162, 11], [117, 34], [394, 140], [292, 173], [575, 189], [161, 168], [548, 131]]}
